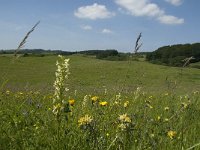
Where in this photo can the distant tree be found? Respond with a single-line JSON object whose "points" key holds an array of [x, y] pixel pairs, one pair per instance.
{"points": [[175, 54], [106, 53]]}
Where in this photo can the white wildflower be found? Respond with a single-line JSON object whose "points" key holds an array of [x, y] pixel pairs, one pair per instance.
{"points": [[60, 84]]}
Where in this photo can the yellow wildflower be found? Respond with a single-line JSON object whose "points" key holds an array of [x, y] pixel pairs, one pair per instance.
{"points": [[158, 118], [126, 104], [85, 120], [36, 126], [57, 105], [71, 102], [184, 105], [116, 103], [152, 135], [20, 93], [8, 92], [148, 105], [122, 126], [94, 99], [186, 97], [166, 119], [104, 103], [124, 118], [166, 108], [150, 97], [171, 134]]}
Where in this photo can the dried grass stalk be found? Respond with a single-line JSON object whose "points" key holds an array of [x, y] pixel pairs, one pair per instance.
{"points": [[137, 45], [24, 39], [187, 61]]}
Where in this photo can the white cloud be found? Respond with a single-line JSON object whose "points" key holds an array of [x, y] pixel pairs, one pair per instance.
{"points": [[140, 7], [106, 31], [146, 8], [86, 27], [175, 2], [93, 12], [167, 19]]}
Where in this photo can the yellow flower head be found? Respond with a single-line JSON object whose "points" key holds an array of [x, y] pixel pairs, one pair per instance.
{"points": [[166, 94], [152, 135], [116, 103], [171, 134], [122, 126], [184, 105], [158, 118], [166, 108], [57, 106], [8, 92], [150, 97], [124, 118], [71, 102], [85, 120], [104, 103], [94, 99], [150, 106], [126, 104], [20, 93], [166, 120], [196, 92]]}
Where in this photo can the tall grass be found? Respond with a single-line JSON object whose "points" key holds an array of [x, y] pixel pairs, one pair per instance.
{"points": [[21, 44], [136, 120]]}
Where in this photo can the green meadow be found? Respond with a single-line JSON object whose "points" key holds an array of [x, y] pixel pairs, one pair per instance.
{"points": [[110, 105], [89, 74]]}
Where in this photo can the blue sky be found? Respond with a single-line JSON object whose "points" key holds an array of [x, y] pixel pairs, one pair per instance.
{"points": [[75, 25]]}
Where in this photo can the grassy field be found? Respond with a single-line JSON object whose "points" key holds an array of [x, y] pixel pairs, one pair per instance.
{"points": [[110, 105], [89, 74]]}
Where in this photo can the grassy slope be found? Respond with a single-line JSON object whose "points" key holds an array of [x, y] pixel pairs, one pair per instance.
{"points": [[92, 74]]}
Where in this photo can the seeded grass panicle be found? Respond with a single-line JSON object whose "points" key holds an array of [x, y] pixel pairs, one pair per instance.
{"points": [[25, 38]]}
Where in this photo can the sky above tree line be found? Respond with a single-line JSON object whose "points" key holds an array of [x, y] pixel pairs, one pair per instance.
{"points": [[75, 25]]}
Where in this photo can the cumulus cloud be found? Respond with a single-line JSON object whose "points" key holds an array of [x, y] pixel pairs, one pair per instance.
{"points": [[93, 12], [86, 27], [175, 2], [146, 8], [167, 19], [106, 31]]}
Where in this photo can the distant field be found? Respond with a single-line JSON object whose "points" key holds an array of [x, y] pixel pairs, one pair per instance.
{"points": [[89, 74]]}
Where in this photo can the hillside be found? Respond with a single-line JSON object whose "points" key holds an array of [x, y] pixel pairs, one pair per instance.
{"points": [[89, 74], [175, 55]]}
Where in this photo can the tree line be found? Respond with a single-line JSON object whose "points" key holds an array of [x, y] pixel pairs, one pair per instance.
{"points": [[175, 55], [100, 54]]}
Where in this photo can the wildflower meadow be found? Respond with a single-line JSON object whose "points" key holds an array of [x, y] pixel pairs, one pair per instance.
{"points": [[75, 119]]}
